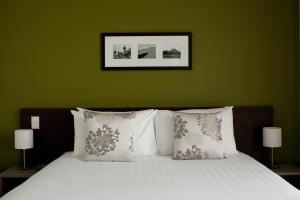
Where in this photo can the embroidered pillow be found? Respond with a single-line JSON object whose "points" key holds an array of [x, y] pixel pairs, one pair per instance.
{"points": [[198, 136], [144, 138], [109, 137], [164, 129]]}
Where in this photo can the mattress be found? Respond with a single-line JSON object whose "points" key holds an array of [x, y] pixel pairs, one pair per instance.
{"points": [[160, 178]]}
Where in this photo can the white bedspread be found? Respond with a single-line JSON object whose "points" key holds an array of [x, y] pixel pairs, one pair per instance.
{"points": [[161, 178]]}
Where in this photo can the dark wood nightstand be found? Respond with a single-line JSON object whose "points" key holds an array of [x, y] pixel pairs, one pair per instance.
{"points": [[12, 177], [291, 173]]}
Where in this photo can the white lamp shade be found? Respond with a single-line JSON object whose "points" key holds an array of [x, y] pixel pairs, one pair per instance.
{"points": [[24, 139], [272, 137]]}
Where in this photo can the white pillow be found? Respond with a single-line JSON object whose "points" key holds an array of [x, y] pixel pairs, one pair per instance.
{"points": [[79, 133], [198, 136], [144, 138], [165, 130], [109, 137]]}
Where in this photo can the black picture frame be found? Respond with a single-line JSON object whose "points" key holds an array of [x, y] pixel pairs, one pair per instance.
{"points": [[146, 51]]}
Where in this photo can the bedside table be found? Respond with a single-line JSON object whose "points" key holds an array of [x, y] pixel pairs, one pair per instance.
{"points": [[291, 173], [12, 177]]}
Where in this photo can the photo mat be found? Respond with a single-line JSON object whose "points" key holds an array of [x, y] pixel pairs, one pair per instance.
{"points": [[122, 51]]}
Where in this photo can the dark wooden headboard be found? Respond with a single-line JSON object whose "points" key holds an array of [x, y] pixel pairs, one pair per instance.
{"points": [[56, 133]]}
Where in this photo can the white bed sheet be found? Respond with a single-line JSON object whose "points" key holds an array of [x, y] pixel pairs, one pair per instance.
{"points": [[160, 178]]}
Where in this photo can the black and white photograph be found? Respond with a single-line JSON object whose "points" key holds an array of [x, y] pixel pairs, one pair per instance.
{"points": [[146, 51], [171, 53], [122, 51]]}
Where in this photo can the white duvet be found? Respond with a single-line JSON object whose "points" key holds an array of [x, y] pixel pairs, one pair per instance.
{"points": [[160, 178]]}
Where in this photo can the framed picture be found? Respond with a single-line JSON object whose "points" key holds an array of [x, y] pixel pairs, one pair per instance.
{"points": [[139, 51]]}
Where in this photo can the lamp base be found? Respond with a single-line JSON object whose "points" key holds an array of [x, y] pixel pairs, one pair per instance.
{"points": [[24, 166], [21, 168], [273, 166]]}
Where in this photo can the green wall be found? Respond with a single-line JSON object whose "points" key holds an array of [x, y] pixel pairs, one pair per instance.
{"points": [[244, 53]]}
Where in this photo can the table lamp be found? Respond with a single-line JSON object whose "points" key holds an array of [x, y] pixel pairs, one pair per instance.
{"points": [[24, 140], [272, 139]]}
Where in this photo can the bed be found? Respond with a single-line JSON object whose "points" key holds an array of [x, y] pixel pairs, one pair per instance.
{"points": [[160, 178], [240, 176]]}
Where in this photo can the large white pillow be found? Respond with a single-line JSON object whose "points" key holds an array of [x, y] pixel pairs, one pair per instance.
{"points": [[198, 136], [164, 128], [144, 135], [109, 137]]}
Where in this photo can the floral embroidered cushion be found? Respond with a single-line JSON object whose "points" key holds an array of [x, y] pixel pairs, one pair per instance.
{"points": [[109, 137], [143, 126], [198, 136], [164, 129]]}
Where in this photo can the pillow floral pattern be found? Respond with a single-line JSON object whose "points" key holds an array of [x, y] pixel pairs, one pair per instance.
{"points": [[109, 137], [198, 136], [90, 114], [210, 124], [180, 127], [194, 154], [102, 141]]}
